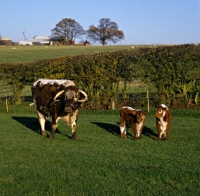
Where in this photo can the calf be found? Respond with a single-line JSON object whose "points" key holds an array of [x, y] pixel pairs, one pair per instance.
{"points": [[133, 118], [163, 121]]}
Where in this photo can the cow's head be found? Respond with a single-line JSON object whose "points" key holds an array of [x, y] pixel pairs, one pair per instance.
{"points": [[71, 97], [140, 115], [160, 111]]}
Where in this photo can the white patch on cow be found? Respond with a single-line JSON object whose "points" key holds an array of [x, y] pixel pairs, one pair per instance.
{"points": [[163, 126], [164, 106], [42, 120], [127, 107], [123, 129], [59, 82], [70, 119], [73, 126], [138, 127]]}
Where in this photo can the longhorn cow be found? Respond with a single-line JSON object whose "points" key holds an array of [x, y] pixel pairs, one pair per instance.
{"points": [[60, 99]]}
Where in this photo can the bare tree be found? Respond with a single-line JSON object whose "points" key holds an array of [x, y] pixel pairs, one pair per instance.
{"points": [[104, 32], [24, 33], [67, 29]]}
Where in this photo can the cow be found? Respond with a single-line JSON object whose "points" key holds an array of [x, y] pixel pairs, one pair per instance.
{"points": [[133, 118], [163, 121], [60, 99]]}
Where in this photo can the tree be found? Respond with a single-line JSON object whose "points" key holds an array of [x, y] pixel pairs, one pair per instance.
{"points": [[67, 29], [104, 32]]}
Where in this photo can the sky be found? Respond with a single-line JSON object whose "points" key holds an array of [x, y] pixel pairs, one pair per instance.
{"points": [[142, 21]]}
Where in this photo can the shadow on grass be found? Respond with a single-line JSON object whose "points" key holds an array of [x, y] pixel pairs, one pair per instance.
{"points": [[113, 129], [148, 132], [32, 124]]}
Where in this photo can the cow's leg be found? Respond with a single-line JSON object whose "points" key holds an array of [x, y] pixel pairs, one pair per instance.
{"points": [[53, 125], [73, 120], [73, 126], [166, 135], [123, 129], [159, 128], [42, 120]]}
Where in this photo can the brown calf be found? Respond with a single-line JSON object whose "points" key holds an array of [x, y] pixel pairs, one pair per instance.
{"points": [[133, 118], [163, 121]]}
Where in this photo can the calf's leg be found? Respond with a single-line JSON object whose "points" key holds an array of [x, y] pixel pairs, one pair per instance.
{"points": [[123, 129]]}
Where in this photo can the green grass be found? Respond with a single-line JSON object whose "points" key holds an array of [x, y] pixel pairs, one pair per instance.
{"points": [[100, 162], [15, 54]]}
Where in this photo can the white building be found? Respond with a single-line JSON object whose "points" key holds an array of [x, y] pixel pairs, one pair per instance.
{"points": [[37, 40]]}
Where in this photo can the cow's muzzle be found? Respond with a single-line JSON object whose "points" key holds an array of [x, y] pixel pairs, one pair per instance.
{"points": [[69, 108]]}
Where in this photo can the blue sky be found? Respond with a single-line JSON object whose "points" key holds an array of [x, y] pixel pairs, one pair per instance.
{"points": [[142, 21]]}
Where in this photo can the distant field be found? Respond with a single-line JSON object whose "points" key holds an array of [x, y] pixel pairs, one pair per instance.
{"points": [[10, 54]]}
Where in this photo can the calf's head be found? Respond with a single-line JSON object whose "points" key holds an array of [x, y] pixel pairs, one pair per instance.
{"points": [[161, 111], [71, 97], [140, 115]]}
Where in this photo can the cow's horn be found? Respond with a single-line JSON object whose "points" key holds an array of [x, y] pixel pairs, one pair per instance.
{"points": [[85, 95], [58, 94]]}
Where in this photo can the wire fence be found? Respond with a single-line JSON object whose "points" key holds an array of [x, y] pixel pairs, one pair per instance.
{"points": [[145, 100]]}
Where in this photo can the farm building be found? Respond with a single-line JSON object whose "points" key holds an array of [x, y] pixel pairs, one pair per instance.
{"points": [[5, 41], [37, 40]]}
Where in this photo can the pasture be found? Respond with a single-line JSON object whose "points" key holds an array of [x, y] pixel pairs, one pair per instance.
{"points": [[100, 162], [14, 54]]}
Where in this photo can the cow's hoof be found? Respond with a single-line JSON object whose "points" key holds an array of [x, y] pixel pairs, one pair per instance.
{"points": [[43, 133], [122, 135], [74, 139]]}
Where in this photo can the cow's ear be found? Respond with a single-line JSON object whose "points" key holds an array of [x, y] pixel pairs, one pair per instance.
{"points": [[145, 113], [134, 112]]}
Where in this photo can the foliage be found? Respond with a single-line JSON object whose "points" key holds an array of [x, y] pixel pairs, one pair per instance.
{"points": [[105, 31], [173, 70], [67, 29]]}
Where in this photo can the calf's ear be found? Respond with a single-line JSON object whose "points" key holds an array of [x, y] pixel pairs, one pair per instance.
{"points": [[145, 113], [134, 112]]}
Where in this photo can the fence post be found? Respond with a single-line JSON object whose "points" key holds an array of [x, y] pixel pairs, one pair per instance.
{"points": [[148, 100], [6, 103], [113, 105]]}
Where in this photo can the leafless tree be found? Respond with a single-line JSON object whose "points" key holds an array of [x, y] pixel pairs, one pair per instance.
{"points": [[105, 31], [67, 29]]}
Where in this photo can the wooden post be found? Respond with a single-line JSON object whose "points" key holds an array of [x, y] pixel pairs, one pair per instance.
{"points": [[6, 103], [113, 105], [148, 100]]}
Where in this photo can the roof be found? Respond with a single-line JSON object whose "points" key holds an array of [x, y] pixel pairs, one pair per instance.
{"points": [[42, 37], [5, 38]]}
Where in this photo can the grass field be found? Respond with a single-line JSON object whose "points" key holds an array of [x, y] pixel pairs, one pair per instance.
{"points": [[15, 54], [100, 162]]}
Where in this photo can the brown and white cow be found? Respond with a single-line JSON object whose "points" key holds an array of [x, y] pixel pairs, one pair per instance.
{"points": [[163, 121], [60, 99], [133, 118]]}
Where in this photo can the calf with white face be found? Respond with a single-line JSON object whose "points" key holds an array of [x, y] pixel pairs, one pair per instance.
{"points": [[133, 118], [163, 121]]}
